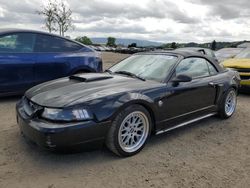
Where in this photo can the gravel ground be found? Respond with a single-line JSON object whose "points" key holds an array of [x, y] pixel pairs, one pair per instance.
{"points": [[210, 153], [111, 58]]}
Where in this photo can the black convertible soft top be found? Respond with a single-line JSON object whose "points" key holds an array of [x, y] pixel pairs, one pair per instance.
{"points": [[185, 54]]}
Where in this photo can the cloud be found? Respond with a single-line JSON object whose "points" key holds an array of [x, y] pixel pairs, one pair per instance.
{"points": [[160, 20], [227, 9], [150, 9], [19, 12], [109, 28]]}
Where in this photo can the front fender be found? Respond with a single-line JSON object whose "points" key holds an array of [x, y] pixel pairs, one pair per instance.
{"points": [[108, 108]]}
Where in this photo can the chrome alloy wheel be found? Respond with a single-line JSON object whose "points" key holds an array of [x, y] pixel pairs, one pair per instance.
{"points": [[230, 103], [133, 131]]}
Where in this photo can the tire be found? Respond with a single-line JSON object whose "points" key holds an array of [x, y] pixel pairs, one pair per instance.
{"points": [[228, 104], [129, 131]]}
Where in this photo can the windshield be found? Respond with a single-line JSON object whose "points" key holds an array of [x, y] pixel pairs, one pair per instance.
{"points": [[149, 67], [244, 54]]}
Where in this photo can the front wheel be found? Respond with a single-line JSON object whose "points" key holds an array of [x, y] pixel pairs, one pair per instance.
{"points": [[129, 131], [228, 104]]}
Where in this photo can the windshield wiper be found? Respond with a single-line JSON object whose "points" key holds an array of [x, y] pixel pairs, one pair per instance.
{"points": [[130, 74]]}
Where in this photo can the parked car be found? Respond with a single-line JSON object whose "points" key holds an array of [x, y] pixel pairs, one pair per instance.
{"points": [[241, 63], [205, 51], [28, 58], [123, 50], [100, 48], [93, 47], [147, 93], [227, 53]]}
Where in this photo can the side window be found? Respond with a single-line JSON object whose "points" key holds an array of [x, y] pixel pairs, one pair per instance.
{"points": [[194, 67], [210, 53], [46, 43], [17, 43], [212, 70]]}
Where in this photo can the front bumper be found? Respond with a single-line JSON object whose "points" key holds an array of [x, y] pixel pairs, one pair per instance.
{"points": [[245, 78], [245, 83], [84, 135]]}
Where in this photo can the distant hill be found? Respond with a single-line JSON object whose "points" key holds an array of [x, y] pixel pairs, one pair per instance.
{"points": [[145, 43], [219, 45], [126, 42]]}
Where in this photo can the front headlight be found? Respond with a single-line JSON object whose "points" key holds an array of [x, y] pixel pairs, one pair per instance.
{"points": [[66, 114]]}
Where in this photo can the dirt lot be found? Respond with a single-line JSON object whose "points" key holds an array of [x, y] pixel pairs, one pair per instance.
{"points": [[211, 153], [111, 58]]}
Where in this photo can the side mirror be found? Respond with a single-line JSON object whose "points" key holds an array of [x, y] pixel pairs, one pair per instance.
{"points": [[181, 78]]}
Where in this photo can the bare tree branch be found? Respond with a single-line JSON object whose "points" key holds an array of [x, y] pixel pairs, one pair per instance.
{"points": [[48, 12], [57, 16], [63, 17]]}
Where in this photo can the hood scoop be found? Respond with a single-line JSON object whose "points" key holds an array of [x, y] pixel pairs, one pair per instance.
{"points": [[83, 78]]}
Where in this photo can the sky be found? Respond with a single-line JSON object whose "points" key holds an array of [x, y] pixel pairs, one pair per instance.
{"points": [[155, 20]]}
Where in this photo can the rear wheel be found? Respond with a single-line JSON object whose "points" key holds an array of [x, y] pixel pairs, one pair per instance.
{"points": [[129, 131], [228, 104]]}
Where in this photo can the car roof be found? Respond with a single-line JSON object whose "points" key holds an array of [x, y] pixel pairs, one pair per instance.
{"points": [[192, 48], [12, 30], [186, 54]]}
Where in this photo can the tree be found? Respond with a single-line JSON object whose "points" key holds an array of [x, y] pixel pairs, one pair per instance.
{"points": [[111, 41], [57, 16], [173, 45], [213, 45], [63, 17], [166, 46], [132, 45], [84, 40], [48, 12]]}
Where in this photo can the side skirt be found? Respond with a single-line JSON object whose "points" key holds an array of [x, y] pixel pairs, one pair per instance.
{"points": [[185, 123]]}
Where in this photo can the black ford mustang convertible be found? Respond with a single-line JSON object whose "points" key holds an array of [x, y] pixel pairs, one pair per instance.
{"points": [[147, 93]]}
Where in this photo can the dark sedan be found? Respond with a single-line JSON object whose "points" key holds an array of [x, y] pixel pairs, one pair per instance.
{"points": [[28, 58], [147, 93]]}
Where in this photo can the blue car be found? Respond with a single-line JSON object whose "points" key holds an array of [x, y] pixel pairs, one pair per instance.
{"points": [[28, 58]]}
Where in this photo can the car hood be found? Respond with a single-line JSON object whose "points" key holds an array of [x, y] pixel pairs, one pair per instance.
{"points": [[237, 63], [66, 92]]}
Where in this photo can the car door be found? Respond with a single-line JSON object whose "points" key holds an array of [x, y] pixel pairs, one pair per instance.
{"points": [[53, 57], [16, 62], [190, 99]]}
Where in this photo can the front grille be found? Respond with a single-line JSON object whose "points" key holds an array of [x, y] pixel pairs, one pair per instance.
{"points": [[243, 73], [242, 70], [244, 77], [30, 108]]}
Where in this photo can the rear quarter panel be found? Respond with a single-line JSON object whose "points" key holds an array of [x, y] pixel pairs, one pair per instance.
{"points": [[89, 61]]}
